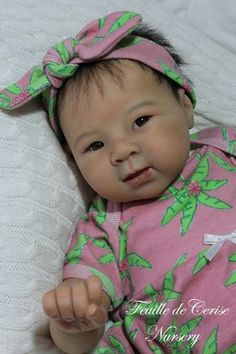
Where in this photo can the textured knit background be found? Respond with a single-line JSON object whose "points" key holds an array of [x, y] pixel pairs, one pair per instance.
{"points": [[39, 198]]}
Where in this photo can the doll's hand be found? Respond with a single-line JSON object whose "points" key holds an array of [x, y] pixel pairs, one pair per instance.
{"points": [[77, 305]]}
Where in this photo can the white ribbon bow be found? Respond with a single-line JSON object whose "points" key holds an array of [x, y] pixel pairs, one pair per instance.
{"points": [[217, 242]]}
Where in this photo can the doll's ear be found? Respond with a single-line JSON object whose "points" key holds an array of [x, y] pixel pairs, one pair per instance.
{"points": [[187, 105]]}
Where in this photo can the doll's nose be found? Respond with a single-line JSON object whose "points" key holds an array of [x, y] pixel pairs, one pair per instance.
{"points": [[122, 150]]}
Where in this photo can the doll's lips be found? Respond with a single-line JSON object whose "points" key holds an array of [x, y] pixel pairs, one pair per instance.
{"points": [[138, 178]]}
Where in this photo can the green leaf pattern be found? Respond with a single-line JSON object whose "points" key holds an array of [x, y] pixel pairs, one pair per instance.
{"points": [[231, 143], [201, 261], [99, 206], [5, 100], [116, 344], [232, 257], [219, 161], [194, 192], [74, 256], [38, 81], [131, 259], [121, 21], [14, 89], [230, 350], [231, 279], [210, 346]]}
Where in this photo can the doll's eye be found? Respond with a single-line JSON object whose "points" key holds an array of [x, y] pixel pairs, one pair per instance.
{"points": [[139, 122], [95, 146]]}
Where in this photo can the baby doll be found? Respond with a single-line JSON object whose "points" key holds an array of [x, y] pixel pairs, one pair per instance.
{"points": [[155, 253]]}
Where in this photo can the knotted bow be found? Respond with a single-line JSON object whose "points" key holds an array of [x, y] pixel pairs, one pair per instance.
{"points": [[105, 38], [217, 242]]}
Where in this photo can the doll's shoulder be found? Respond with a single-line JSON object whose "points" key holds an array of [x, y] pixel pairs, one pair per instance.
{"points": [[221, 137]]}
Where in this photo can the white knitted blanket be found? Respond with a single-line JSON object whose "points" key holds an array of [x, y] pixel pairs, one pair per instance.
{"points": [[39, 198]]}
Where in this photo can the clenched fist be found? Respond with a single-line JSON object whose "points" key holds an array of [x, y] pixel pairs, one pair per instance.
{"points": [[77, 305]]}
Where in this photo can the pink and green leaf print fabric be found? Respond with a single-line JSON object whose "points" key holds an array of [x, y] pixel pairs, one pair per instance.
{"points": [[109, 37], [166, 296]]}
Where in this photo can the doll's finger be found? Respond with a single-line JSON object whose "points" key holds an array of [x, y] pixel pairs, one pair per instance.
{"points": [[64, 301], [50, 304], [94, 285], [80, 298], [97, 315]]}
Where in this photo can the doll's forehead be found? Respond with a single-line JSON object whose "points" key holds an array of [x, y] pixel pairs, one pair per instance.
{"points": [[100, 74]]}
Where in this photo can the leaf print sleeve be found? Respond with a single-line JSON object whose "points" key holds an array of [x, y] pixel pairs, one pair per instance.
{"points": [[223, 138], [229, 136], [91, 252]]}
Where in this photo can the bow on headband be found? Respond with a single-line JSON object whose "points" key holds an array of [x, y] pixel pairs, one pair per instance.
{"points": [[105, 38]]}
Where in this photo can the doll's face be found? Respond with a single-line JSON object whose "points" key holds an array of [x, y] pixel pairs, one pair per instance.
{"points": [[132, 140]]}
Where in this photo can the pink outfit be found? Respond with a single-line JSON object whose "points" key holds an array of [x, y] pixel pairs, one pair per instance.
{"points": [[153, 258]]}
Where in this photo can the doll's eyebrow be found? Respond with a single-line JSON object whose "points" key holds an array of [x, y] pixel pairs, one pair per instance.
{"points": [[83, 136], [141, 104]]}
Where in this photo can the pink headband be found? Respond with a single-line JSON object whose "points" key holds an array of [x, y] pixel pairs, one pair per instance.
{"points": [[105, 38]]}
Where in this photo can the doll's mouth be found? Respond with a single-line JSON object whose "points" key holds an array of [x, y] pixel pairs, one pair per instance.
{"points": [[138, 178]]}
